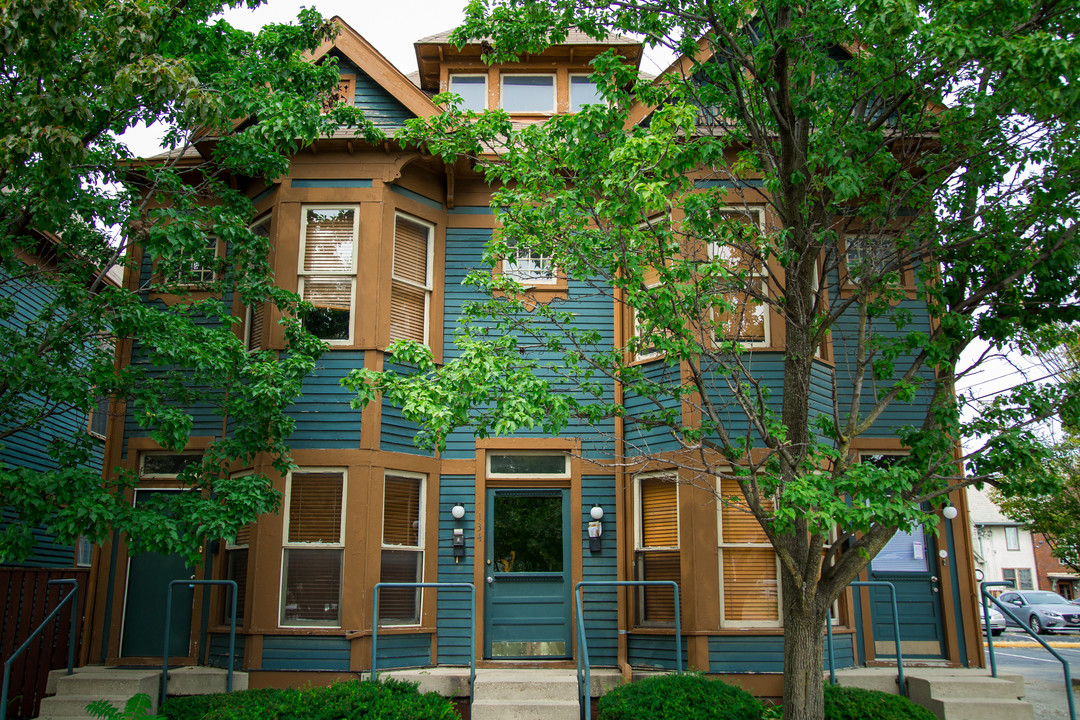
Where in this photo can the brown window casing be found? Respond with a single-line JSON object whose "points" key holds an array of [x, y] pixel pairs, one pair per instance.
{"points": [[312, 554], [402, 548], [410, 292]]}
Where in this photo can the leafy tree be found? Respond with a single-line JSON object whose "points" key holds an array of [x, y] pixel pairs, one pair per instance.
{"points": [[918, 162], [74, 76]]}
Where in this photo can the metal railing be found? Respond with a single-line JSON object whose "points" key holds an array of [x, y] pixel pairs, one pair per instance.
{"points": [[438, 586], [168, 619], [986, 599], [73, 594], [583, 668], [896, 633]]}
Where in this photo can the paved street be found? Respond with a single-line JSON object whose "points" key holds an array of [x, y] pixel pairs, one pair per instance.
{"points": [[1016, 652]]}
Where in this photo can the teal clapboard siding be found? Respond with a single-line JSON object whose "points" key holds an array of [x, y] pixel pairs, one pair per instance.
{"points": [[218, 653], [322, 414], [380, 107], [765, 653], [403, 651], [600, 604], [297, 652], [641, 439], [29, 449], [397, 433], [453, 614], [653, 651]]}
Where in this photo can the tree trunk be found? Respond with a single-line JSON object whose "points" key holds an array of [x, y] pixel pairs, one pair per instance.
{"points": [[804, 648]]}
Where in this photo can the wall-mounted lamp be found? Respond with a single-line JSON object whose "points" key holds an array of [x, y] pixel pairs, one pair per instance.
{"points": [[949, 512], [458, 511], [596, 528]]}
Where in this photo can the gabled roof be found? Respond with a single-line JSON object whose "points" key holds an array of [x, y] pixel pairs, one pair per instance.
{"points": [[364, 55]]}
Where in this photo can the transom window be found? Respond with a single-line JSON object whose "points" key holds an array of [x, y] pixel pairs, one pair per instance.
{"points": [[160, 464], [529, 267], [312, 553], [518, 464], [328, 243], [528, 93], [472, 89]]}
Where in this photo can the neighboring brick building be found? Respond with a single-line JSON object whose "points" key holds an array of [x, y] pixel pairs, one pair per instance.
{"points": [[1053, 574]]}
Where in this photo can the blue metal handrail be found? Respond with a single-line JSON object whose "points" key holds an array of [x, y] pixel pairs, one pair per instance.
{"points": [[990, 638], [73, 593], [438, 586], [583, 669], [896, 633], [168, 617]]}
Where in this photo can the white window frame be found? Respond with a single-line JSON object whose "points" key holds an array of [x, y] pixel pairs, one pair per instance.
{"points": [[429, 284], [450, 87], [1012, 539], [714, 251], [637, 332], [724, 622], [550, 110], [570, 90], [421, 540], [200, 277], [286, 545], [639, 545], [497, 476], [531, 273], [349, 273]]}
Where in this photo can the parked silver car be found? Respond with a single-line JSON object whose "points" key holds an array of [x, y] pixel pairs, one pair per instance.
{"points": [[997, 621], [1041, 610]]}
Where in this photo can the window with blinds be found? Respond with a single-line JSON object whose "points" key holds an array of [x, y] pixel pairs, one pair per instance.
{"points": [[255, 322], [749, 574], [410, 291], [311, 558], [327, 273], [746, 318], [403, 548], [657, 554]]}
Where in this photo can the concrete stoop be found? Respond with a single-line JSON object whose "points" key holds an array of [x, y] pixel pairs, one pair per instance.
{"points": [[533, 694], [949, 693], [68, 695]]}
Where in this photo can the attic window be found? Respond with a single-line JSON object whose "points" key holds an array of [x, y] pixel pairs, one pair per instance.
{"points": [[345, 93], [528, 93], [583, 92], [472, 89]]}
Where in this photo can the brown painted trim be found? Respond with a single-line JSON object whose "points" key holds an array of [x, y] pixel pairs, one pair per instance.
{"points": [[378, 68]]}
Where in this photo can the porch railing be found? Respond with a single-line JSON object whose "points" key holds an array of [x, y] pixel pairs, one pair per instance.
{"points": [[896, 634], [583, 667], [438, 586], [987, 598], [168, 619], [73, 597]]}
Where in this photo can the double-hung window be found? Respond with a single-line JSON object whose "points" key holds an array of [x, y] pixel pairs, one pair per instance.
{"points": [[749, 569], [867, 257], [402, 548], [744, 318], [255, 322], [1020, 577], [1012, 537], [410, 293], [327, 275], [472, 89], [657, 551], [313, 542], [236, 569]]}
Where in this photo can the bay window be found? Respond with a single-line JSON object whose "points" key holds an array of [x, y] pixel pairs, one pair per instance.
{"points": [[312, 553], [327, 275]]}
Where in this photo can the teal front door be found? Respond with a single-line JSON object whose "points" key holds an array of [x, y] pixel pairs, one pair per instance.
{"points": [[908, 562], [527, 574], [148, 581]]}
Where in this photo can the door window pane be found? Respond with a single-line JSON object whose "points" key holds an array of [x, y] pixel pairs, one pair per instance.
{"points": [[906, 552], [528, 534]]}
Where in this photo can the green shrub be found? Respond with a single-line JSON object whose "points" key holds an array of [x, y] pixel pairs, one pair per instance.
{"points": [[387, 700], [848, 703], [679, 697]]}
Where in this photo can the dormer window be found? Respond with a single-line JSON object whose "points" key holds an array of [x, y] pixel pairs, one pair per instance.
{"points": [[472, 89], [583, 92], [528, 93]]}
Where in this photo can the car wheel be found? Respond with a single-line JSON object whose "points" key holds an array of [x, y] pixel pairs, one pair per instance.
{"points": [[1036, 626], [997, 631]]}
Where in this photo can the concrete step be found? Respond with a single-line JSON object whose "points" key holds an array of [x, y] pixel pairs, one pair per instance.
{"points": [[972, 709], [921, 688], [74, 706], [509, 686], [525, 710], [203, 680], [104, 681]]}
